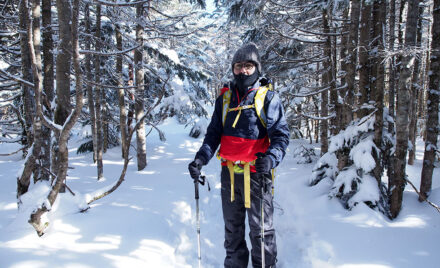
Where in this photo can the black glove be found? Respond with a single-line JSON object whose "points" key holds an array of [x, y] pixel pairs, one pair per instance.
{"points": [[263, 163], [194, 168]]}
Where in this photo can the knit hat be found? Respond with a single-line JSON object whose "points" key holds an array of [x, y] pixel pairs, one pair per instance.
{"points": [[248, 52]]}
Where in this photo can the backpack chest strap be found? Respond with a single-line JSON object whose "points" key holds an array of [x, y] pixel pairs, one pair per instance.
{"points": [[239, 108]]}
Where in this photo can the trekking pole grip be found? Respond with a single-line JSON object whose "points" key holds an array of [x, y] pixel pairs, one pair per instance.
{"points": [[200, 180]]}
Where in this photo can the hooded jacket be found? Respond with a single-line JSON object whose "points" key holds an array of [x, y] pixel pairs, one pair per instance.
{"points": [[249, 135]]}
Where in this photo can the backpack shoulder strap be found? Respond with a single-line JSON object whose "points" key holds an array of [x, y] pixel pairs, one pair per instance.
{"points": [[259, 102], [226, 100]]}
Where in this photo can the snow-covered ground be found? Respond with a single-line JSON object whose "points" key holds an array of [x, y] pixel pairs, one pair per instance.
{"points": [[150, 220]]}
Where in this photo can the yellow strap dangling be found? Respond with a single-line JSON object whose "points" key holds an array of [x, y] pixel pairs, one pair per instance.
{"points": [[247, 185], [231, 176], [247, 182], [236, 118]]}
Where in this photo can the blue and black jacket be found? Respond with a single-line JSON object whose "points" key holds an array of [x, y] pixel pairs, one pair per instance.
{"points": [[249, 135]]}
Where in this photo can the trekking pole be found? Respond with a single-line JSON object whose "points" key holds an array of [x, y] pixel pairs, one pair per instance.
{"points": [[262, 219], [201, 180], [263, 190]]}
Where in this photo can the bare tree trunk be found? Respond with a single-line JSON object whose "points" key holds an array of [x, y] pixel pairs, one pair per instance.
{"points": [[105, 123], [432, 123], [423, 94], [139, 98], [121, 95], [421, 113], [378, 83], [48, 87], [317, 123], [98, 95], [325, 82], [33, 45], [36, 42], [400, 38], [89, 88], [335, 106], [364, 66], [130, 112], [63, 63], [415, 89], [397, 182], [334, 94], [423, 97], [26, 70], [33, 48], [392, 82], [389, 155], [35, 218], [349, 60]]}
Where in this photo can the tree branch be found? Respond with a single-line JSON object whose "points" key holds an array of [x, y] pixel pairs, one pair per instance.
{"points": [[113, 53], [422, 197], [18, 79], [120, 4]]}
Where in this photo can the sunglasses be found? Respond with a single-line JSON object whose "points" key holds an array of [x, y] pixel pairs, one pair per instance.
{"points": [[247, 66]]}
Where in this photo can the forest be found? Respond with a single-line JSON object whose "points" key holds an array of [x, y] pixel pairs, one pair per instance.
{"points": [[361, 78]]}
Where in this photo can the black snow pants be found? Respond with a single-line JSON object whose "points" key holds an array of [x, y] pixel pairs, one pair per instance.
{"points": [[234, 214]]}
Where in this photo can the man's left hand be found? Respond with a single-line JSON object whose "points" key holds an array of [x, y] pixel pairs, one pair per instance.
{"points": [[263, 164]]}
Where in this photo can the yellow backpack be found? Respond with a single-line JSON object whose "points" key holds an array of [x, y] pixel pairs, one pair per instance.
{"points": [[258, 105]]}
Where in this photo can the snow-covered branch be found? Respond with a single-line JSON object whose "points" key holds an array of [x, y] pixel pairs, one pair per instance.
{"points": [[120, 3], [113, 53], [318, 117], [18, 79]]}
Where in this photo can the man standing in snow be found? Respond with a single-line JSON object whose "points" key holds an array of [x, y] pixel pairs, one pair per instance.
{"points": [[249, 125]]}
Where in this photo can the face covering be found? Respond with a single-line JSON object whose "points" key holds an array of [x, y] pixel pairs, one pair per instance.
{"points": [[243, 81]]}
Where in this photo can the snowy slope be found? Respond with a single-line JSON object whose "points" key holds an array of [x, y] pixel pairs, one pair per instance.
{"points": [[150, 220]]}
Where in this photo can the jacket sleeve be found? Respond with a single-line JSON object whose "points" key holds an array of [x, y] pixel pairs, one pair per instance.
{"points": [[277, 128], [213, 134]]}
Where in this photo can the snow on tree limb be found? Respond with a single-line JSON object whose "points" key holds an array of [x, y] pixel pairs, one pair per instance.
{"points": [[18, 79]]}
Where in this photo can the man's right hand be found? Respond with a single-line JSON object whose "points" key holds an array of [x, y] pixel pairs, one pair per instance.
{"points": [[194, 168]]}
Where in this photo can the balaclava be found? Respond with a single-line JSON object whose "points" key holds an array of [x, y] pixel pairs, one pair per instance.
{"points": [[248, 52]]}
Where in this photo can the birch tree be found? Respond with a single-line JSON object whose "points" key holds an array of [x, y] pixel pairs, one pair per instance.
{"points": [[141, 147]]}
